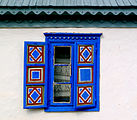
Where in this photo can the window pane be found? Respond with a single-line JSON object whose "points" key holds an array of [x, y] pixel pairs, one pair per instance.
{"points": [[62, 55], [61, 73], [62, 92]]}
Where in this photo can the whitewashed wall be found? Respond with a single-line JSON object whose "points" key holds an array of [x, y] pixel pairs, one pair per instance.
{"points": [[118, 76]]}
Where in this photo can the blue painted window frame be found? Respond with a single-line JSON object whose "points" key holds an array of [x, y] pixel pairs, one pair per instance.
{"points": [[66, 39], [52, 45]]}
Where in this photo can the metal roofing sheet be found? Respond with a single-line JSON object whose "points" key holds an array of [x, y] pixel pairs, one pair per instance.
{"points": [[39, 2], [18, 3], [108, 3], [3, 2], [25, 3]]}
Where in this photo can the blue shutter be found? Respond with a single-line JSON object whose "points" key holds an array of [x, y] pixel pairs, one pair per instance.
{"points": [[35, 75], [86, 75]]}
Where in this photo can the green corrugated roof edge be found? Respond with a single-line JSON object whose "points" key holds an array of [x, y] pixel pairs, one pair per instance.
{"points": [[68, 10]]}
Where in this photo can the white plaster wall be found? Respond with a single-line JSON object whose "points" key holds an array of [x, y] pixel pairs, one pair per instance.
{"points": [[118, 79]]}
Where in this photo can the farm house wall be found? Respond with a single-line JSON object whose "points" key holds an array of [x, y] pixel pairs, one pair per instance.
{"points": [[118, 79]]}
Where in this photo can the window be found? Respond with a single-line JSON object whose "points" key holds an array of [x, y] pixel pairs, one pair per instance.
{"points": [[62, 73]]}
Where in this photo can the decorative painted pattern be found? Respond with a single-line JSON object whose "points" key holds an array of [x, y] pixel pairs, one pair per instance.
{"points": [[85, 95], [85, 74], [35, 74], [35, 95], [85, 54], [35, 54]]}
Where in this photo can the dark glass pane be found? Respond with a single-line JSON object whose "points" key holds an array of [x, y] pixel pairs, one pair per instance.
{"points": [[62, 55], [61, 73], [62, 92]]}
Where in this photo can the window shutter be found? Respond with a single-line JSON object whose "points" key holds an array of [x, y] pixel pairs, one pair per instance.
{"points": [[86, 75], [35, 75]]}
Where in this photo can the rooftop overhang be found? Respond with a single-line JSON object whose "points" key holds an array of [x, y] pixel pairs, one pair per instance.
{"points": [[69, 10], [68, 16]]}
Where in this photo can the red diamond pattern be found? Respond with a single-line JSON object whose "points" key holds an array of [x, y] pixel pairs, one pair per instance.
{"points": [[85, 95], [35, 54], [85, 54], [34, 95]]}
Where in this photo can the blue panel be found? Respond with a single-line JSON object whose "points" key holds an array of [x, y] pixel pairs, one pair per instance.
{"points": [[85, 74], [34, 95], [85, 95], [35, 54], [86, 54], [35, 75]]}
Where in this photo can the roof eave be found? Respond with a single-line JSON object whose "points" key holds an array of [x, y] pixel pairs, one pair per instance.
{"points": [[69, 10]]}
